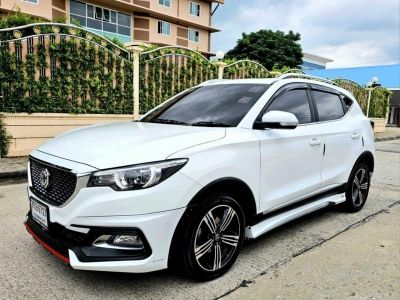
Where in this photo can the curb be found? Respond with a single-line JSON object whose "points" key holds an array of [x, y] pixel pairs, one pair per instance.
{"points": [[22, 173], [13, 174], [387, 138]]}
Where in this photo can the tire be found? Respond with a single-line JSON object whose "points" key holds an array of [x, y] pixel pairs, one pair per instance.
{"points": [[357, 188], [210, 237]]}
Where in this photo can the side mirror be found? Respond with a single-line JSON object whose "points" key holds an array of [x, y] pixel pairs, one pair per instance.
{"points": [[277, 120]]}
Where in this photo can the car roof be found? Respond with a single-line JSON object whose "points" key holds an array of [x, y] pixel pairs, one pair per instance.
{"points": [[238, 81], [283, 79]]}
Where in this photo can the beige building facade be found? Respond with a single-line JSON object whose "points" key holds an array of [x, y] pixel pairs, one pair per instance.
{"points": [[162, 22]]}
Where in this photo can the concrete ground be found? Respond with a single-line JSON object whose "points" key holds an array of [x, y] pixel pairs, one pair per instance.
{"points": [[29, 271], [361, 263]]}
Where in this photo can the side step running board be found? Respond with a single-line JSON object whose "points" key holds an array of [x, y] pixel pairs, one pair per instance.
{"points": [[268, 224]]}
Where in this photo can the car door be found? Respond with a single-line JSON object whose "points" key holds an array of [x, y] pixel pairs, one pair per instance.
{"points": [[342, 135], [290, 158]]}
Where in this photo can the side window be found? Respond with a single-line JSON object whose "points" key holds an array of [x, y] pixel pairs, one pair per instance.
{"points": [[347, 103], [329, 106], [295, 102]]}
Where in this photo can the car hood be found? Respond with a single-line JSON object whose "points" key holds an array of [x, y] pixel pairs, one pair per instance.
{"points": [[127, 143]]}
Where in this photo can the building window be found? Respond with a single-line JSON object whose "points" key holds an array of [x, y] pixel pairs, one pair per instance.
{"points": [[90, 11], [99, 13], [102, 20], [78, 8], [106, 15], [165, 2], [193, 35], [113, 17], [32, 1], [194, 9], [164, 28]]}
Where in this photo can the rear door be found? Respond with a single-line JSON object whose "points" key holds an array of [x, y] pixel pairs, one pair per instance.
{"points": [[290, 158], [342, 137]]}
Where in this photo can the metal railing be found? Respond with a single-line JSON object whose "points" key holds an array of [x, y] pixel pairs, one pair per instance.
{"points": [[33, 30]]}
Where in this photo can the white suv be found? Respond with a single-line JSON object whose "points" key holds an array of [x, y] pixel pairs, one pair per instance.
{"points": [[222, 162]]}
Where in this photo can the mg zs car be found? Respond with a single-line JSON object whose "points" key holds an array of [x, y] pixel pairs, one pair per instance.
{"points": [[185, 185]]}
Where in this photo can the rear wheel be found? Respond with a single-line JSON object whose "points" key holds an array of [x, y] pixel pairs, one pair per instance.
{"points": [[357, 188], [212, 238]]}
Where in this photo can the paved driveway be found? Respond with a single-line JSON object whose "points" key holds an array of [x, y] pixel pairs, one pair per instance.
{"points": [[28, 271]]}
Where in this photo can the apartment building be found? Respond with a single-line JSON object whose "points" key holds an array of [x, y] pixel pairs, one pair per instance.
{"points": [[161, 22]]}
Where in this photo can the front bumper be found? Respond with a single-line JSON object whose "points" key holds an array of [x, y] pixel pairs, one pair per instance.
{"points": [[75, 248], [155, 212]]}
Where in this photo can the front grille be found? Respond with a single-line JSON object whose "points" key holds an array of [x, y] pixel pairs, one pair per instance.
{"points": [[61, 185]]}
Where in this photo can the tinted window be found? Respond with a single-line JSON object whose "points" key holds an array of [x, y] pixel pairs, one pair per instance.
{"points": [[92, 23], [347, 103], [106, 15], [223, 105], [99, 13], [78, 8], [81, 20], [90, 11], [113, 17], [124, 30], [124, 19], [110, 27], [329, 106], [295, 102]]}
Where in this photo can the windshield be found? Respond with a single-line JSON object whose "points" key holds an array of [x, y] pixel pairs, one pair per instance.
{"points": [[222, 105]]}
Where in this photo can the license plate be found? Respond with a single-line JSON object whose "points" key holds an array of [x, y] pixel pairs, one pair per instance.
{"points": [[39, 213]]}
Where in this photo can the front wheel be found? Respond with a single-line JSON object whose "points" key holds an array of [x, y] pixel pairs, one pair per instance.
{"points": [[357, 188], [213, 237]]}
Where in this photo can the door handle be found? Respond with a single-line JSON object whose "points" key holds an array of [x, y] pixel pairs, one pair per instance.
{"points": [[315, 142], [355, 136]]}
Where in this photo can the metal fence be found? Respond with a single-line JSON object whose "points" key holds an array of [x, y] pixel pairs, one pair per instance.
{"points": [[53, 67]]}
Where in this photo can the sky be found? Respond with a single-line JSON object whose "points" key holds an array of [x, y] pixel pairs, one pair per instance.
{"points": [[351, 32]]}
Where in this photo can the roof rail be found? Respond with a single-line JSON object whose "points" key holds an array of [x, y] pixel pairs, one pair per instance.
{"points": [[305, 76]]}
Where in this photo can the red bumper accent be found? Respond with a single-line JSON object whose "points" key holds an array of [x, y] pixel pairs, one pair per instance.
{"points": [[47, 247]]}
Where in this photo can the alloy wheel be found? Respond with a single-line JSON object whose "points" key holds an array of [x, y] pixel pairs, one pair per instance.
{"points": [[360, 187], [217, 237]]}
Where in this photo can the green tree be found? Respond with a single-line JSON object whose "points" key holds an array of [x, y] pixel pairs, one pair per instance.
{"points": [[270, 48], [5, 138], [18, 18]]}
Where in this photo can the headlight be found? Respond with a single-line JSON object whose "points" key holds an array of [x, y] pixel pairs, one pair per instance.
{"points": [[138, 176]]}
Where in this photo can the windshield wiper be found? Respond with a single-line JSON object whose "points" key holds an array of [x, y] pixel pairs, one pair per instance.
{"points": [[168, 121], [210, 124]]}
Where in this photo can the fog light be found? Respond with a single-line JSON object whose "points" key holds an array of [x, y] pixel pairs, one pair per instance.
{"points": [[102, 239], [131, 240]]}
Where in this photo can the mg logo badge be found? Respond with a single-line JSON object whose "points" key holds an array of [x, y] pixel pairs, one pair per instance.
{"points": [[44, 178]]}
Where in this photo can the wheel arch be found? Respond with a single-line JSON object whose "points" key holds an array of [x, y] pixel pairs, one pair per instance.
{"points": [[368, 158], [235, 187], [230, 185]]}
